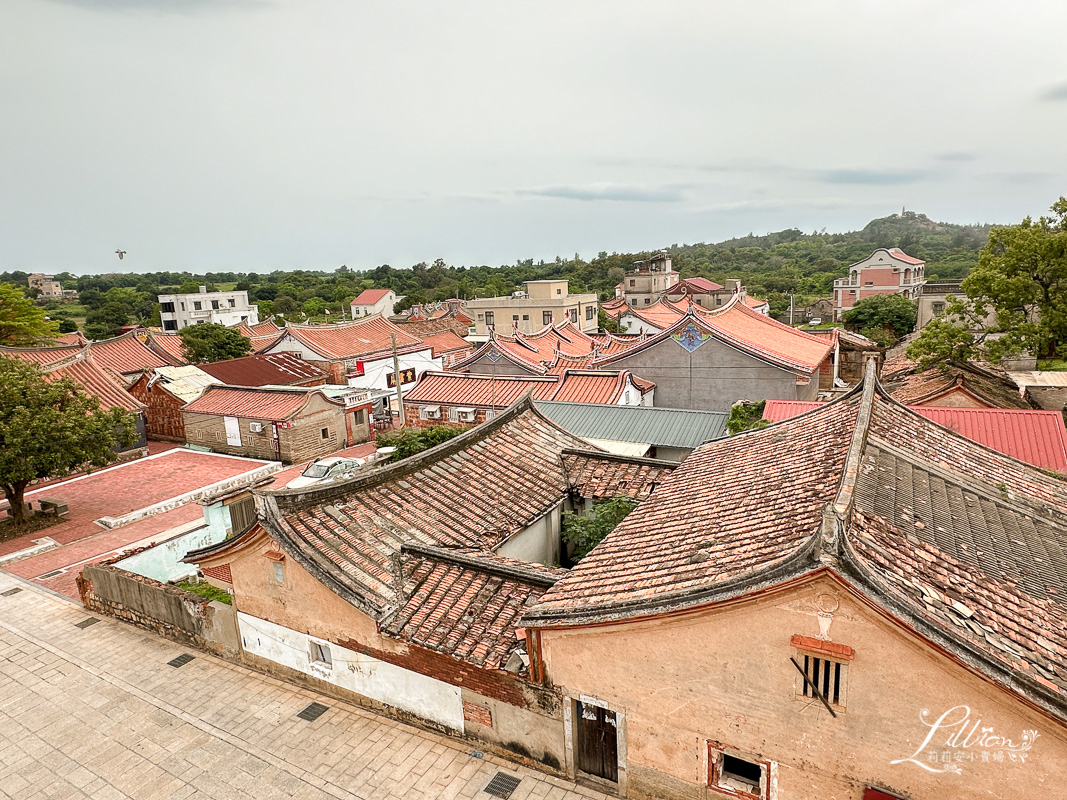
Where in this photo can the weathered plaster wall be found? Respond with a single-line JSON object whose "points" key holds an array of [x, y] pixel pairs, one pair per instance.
{"points": [[164, 561], [391, 685], [713, 377], [725, 676]]}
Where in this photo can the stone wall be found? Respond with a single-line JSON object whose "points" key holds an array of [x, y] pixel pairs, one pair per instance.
{"points": [[163, 609]]}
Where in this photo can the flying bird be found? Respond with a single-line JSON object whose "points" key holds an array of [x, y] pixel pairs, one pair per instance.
{"points": [[120, 254]]}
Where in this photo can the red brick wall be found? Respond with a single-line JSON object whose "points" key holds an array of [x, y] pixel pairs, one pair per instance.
{"points": [[163, 417]]}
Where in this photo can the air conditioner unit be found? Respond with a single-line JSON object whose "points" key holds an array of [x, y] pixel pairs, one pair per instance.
{"points": [[255, 427], [432, 412], [466, 415]]}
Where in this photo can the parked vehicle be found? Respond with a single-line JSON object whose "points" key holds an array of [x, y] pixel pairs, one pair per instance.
{"points": [[323, 469]]}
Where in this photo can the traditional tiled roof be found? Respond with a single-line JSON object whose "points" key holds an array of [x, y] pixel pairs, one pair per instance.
{"points": [[477, 391], [896, 252], [615, 307], [127, 355], [747, 330], [659, 427], [445, 342], [369, 297], [610, 343], [987, 384], [358, 339], [424, 328], [466, 603], [264, 328], [252, 402], [962, 544], [75, 339], [1036, 437], [498, 477], [268, 369], [265, 341], [41, 355], [169, 343], [596, 386], [598, 476], [122, 355], [489, 391], [94, 380], [695, 286]]}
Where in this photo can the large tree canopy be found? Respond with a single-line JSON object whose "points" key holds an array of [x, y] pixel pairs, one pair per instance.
{"points": [[22, 324], [1022, 277], [883, 317], [50, 428], [210, 341]]}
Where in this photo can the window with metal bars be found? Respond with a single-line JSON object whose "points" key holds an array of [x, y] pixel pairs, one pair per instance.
{"points": [[825, 675]]}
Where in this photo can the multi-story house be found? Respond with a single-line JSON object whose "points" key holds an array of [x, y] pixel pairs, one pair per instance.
{"points": [[178, 311], [648, 281], [885, 271], [374, 301], [543, 303]]}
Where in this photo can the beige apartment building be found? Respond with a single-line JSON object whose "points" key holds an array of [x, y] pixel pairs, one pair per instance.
{"points": [[542, 303]]}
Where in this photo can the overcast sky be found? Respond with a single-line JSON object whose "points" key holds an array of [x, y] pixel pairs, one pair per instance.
{"points": [[275, 134]]}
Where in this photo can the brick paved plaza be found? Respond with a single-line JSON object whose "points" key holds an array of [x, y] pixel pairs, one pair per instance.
{"points": [[98, 712]]}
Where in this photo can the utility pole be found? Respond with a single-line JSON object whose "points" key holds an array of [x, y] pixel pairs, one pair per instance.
{"points": [[396, 373], [790, 311]]}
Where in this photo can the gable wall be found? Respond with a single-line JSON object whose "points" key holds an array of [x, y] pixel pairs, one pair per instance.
{"points": [[712, 378], [163, 416], [725, 676]]}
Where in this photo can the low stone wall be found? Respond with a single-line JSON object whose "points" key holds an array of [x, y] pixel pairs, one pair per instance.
{"points": [[165, 610]]}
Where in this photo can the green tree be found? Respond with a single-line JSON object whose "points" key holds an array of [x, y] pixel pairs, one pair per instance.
{"points": [[883, 317], [50, 428], [67, 326], [409, 441], [746, 416], [1022, 277], [210, 341], [107, 321], [314, 306], [22, 324], [586, 531]]}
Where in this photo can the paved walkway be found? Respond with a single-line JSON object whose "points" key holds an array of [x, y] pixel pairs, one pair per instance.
{"points": [[96, 712]]}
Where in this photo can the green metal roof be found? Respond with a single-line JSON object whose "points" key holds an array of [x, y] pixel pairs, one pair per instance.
{"points": [[661, 427]]}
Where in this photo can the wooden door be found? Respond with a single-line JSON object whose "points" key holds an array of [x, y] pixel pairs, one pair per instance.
{"points": [[598, 742]]}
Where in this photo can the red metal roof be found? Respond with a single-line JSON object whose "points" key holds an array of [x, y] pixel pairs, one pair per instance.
{"points": [[369, 297], [263, 370], [254, 402], [353, 339], [1036, 437]]}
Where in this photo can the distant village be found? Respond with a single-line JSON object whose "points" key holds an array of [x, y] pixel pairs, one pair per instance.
{"points": [[859, 595]]}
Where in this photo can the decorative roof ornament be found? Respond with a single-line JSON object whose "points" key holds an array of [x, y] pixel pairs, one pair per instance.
{"points": [[691, 337]]}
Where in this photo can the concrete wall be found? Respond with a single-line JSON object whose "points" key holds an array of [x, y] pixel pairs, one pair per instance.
{"points": [[539, 543], [168, 611], [713, 377], [722, 678], [164, 561]]}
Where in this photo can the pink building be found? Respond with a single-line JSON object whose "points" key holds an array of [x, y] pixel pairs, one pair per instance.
{"points": [[885, 271]]}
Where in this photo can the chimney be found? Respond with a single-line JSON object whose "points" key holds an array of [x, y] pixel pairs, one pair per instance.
{"points": [[203, 290]]}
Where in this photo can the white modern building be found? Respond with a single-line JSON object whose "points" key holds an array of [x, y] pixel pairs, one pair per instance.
{"points": [[224, 308]]}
